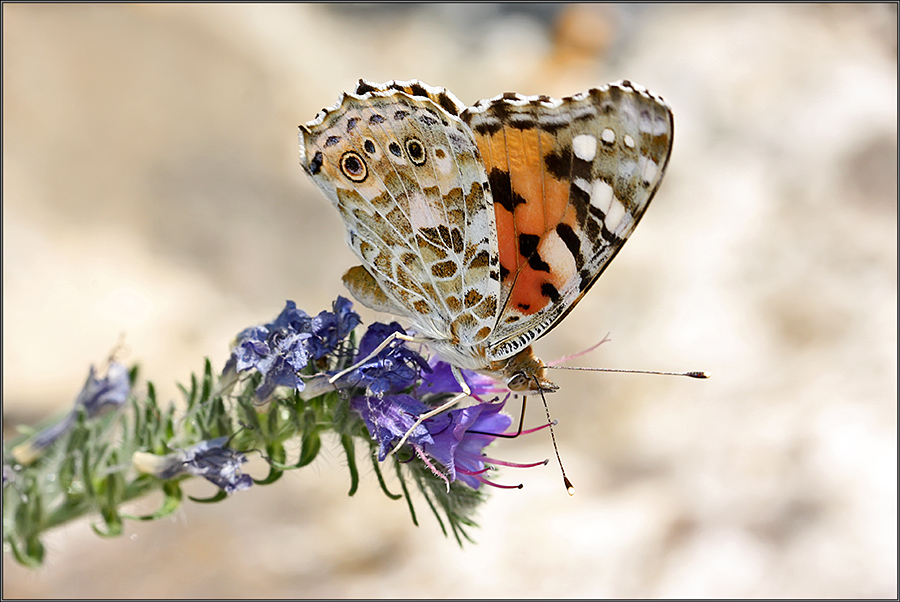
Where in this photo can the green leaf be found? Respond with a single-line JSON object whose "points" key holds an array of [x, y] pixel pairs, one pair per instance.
{"points": [[109, 491], [251, 417], [350, 450], [206, 391], [218, 497], [33, 554], [276, 454], [412, 510], [113, 521], [310, 443], [424, 489], [171, 503], [378, 473]]}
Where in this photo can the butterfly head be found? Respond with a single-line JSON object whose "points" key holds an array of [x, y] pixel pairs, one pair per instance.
{"points": [[523, 373]]}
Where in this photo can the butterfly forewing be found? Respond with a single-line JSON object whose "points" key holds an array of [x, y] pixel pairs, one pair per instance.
{"points": [[570, 180], [405, 175]]}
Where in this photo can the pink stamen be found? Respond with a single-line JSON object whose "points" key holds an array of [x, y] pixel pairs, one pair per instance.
{"points": [[474, 474], [532, 430], [515, 464], [431, 467], [497, 485]]}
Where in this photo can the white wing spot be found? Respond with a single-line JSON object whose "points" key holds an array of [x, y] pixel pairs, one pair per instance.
{"points": [[557, 255], [648, 172], [585, 147], [608, 136], [629, 141], [582, 185], [614, 215], [601, 196]]}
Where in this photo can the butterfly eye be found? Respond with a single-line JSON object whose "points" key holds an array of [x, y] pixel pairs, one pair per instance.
{"points": [[518, 382], [416, 151], [353, 166]]}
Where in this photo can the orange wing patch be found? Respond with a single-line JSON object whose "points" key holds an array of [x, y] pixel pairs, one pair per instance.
{"points": [[529, 202]]}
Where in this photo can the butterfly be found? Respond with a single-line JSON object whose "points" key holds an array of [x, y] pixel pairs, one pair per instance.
{"points": [[485, 225]]}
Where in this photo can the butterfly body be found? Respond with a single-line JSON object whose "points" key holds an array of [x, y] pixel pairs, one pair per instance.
{"points": [[484, 225]]}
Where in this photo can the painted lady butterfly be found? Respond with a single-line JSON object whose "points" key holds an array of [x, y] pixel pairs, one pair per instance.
{"points": [[485, 225]]}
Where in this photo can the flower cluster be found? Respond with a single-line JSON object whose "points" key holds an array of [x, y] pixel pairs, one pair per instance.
{"points": [[315, 378], [281, 349], [389, 389]]}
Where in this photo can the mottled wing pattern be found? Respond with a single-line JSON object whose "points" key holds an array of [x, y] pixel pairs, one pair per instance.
{"points": [[570, 180], [404, 173]]}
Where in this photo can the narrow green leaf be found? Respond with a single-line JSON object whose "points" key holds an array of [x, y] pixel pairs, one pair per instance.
{"points": [[412, 510], [113, 521], [425, 493], [310, 442], [171, 503], [381, 482], [207, 388], [33, 554], [276, 454], [350, 450], [218, 497], [251, 417]]}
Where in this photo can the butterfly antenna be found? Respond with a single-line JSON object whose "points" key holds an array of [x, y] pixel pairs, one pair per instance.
{"points": [[566, 358], [570, 489], [693, 374]]}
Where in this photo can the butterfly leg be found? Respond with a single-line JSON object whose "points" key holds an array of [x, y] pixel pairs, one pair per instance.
{"points": [[466, 391], [390, 339], [453, 401]]}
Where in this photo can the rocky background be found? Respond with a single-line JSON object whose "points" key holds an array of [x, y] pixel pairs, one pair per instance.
{"points": [[151, 187]]}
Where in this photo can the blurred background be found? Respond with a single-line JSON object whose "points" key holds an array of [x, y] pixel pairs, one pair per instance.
{"points": [[151, 187]]}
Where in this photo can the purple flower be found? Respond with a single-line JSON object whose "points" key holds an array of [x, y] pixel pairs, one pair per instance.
{"points": [[460, 436], [8, 474], [277, 350], [330, 329], [217, 464], [282, 366], [456, 439], [281, 349], [291, 319], [279, 355], [389, 417], [393, 369], [441, 380], [212, 460], [98, 395], [251, 347]]}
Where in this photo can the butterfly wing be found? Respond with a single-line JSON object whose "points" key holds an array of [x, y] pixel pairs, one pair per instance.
{"points": [[404, 173], [570, 180]]}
